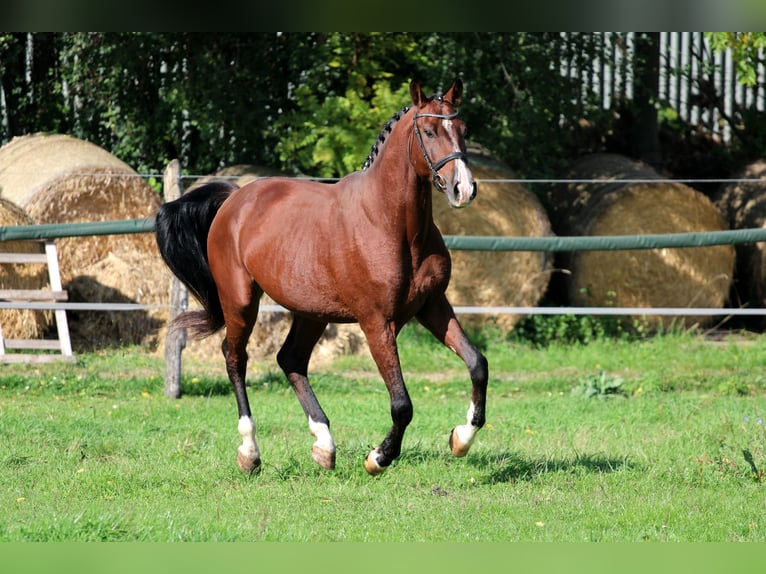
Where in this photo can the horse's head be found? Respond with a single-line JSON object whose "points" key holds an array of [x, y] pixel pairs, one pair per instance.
{"points": [[439, 134]]}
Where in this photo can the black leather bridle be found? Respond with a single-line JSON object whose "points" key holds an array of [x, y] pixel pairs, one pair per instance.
{"points": [[435, 167]]}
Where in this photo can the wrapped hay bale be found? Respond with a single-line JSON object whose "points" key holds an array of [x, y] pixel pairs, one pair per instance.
{"points": [[743, 205], [23, 323], [681, 277], [60, 179], [487, 278]]}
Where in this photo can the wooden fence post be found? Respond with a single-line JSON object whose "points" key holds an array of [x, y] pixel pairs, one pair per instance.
{"points": [[175, 341]]}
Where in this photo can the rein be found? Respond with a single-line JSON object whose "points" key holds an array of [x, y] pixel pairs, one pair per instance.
{"points": [[436, 177]]}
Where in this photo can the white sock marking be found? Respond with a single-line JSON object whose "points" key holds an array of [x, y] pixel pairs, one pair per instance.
{"points": [[467, 432], [246, 429], [322, 433]]}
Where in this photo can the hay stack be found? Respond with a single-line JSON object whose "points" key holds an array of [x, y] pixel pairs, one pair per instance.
{"points": [[21, 324], [743, 205], [60, 179], [485, 278], [688, 277]]}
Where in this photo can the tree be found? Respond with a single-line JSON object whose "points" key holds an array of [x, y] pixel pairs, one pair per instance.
{"points": [[747, 50], [313, 103], [205, 99], [356, 83], [645, 137], [30, 84], [522, 102]]}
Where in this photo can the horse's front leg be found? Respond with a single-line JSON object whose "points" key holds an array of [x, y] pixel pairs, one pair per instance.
{"points": [[439, 318], [381, 338]]}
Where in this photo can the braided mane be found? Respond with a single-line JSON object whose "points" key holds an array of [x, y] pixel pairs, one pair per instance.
{"points": [[382, 136]]}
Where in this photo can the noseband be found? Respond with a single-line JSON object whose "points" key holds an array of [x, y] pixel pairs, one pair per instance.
{"points": [[436, 177]]}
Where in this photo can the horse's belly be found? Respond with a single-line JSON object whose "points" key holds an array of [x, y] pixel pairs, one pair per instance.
{"points": [[305, 294], [315, 308]]}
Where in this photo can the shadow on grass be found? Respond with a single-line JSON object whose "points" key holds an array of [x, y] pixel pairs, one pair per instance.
{"points": [[510, 467], [220, 386]]}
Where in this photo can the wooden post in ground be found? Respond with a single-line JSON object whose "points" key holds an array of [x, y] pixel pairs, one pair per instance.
{"points": [[175, 341]]}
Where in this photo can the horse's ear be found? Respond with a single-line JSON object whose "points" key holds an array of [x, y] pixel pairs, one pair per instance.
{"points": [[453, 94], [416, 93]]}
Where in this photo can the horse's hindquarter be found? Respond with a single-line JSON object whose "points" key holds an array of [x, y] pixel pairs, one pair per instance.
{"points": [[280, 238]]}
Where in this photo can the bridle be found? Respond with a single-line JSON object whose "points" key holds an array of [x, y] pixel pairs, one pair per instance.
{"points": [[436, 177]]}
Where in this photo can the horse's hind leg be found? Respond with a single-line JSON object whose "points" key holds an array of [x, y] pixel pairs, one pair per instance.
{"points": [[439, 318], [239, 326], [293, 358]]}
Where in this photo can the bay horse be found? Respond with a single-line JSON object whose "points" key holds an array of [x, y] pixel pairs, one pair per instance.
{"points": [[363, 249]]}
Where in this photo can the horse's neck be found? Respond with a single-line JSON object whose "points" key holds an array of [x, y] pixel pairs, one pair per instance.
{"points": [[398, 199]]}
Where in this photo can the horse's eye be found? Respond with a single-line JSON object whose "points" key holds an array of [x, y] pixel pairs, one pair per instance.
{"points": [[429, 133]]}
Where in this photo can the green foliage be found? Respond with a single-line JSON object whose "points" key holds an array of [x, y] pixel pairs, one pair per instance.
{"points": [[304, 102], [337, 132], [600, 385], [517, 98], [543, 330], [745, 48], [32, 84], [357, 83], [312, 103], [152, 97]]}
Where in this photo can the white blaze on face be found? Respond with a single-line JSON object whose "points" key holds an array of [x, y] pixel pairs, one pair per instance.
{"points": [[460, 191]]}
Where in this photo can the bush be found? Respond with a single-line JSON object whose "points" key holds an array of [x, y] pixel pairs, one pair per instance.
{"points": [[543, 330]]}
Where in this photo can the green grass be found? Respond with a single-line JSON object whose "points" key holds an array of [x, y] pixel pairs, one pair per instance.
{"points": [[614, 441]]}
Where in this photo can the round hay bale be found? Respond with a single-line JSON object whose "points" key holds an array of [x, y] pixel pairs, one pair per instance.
{"points": [[60, 179], [105, 282], [743, 205], [682, 277], [24, 323], [486, 278]]}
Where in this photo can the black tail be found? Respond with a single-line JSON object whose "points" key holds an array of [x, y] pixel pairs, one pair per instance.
{"points": [[182, 229]]}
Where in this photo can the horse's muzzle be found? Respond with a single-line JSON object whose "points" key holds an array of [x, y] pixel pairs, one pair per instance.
{"points": [[462, 193]]}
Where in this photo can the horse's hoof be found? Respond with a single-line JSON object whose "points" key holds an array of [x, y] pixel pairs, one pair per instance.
{"points": [[458, 447], [324, 458], [371, 464], [247, 465]]}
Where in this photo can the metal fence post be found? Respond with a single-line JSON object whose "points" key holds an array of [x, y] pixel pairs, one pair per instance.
{"points": [[175, 341]]}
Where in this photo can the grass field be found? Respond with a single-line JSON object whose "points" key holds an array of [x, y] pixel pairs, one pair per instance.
{"points": [[656, 440]]}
